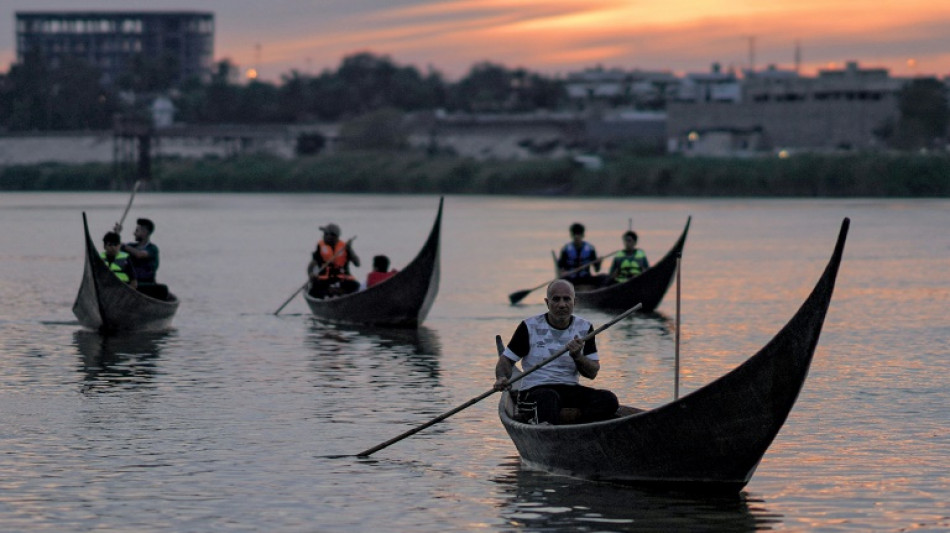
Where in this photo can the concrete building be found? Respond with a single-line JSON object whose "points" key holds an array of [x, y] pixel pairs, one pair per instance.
{"points": [[110, 40], [636, 89], [714, 86], [839, 109]]}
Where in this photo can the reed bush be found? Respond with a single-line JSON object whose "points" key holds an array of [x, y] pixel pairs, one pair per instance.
{"points": [[806, 175]]}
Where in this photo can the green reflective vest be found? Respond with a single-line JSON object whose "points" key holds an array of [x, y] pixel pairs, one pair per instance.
{"points": [[630, 265], [116, 265]]}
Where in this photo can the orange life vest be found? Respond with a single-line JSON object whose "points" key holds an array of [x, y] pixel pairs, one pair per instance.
{"points": [[338, 266]]}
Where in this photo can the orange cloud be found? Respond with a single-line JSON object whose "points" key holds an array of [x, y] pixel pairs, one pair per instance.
{"points": [[563, 35]]}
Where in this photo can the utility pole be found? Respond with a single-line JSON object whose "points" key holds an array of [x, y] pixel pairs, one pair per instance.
{"points": [[798, 56], [752, 53]]}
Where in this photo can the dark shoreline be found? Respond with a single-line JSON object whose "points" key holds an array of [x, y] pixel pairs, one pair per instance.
{"points": [[875, 175]]}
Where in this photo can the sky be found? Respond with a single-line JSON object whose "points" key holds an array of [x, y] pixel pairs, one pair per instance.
{"points": [[554, 37]]}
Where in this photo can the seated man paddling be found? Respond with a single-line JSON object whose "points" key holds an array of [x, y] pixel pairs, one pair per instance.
{"points": [[144, 256], [329, 268], [556, 385]]}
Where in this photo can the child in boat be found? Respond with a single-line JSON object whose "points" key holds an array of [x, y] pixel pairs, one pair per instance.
{"points": [[380, 271], [117, 261], [629, 262]]}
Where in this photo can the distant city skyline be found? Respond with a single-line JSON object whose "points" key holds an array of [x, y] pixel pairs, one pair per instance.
{"points": [[555, 37]]}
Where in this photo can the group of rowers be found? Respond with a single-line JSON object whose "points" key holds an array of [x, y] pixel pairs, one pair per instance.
{"points": [[330, 274], [578, 257], [553, 387], [136, 263]]}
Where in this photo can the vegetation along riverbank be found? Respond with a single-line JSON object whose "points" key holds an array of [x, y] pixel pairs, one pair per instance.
{"points": [[806, 175]]}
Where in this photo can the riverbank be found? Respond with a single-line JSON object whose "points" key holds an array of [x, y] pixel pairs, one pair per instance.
{"points": [[851, 175]]}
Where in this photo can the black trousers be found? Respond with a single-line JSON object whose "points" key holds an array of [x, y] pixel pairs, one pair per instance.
{"points": [[594, 404], [155, 290], [321, 288]]}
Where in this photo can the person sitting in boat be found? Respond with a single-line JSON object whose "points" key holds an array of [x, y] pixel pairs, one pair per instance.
{"points": [[629, 262], [556, 385], [144, 256], [381, 271], [577, 254], [117, 261], [329, 269]]}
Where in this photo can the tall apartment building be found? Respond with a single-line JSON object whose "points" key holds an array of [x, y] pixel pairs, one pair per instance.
{"points": [[109, 40]]}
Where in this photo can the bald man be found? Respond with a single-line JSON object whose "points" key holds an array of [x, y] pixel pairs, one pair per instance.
{"points": [[556, 385]]}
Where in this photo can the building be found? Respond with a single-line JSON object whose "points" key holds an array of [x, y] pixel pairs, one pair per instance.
{"points": [[636, 89], [110, 40], [713, 86], [773, 110]]}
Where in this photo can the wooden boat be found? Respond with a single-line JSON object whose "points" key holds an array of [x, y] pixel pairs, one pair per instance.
{"points": [[710, 440], [402, 301], [107, 304], [648, 288]]}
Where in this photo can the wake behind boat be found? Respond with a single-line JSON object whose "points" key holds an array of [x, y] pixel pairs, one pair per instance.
{"points": [[710, 440], [107, 304], [402, 301]]}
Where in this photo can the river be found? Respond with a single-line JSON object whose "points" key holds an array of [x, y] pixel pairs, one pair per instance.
{"points": [[240, 420]]}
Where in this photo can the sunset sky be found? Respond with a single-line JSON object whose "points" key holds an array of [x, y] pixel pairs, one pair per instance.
{"points": [[909, 37]]}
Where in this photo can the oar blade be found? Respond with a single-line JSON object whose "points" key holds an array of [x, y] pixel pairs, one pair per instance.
{"points": [[517, 296]]}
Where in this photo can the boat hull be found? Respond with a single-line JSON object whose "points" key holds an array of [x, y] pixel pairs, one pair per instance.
{"points": [[402, 301], [710, 440], [107, 304]]}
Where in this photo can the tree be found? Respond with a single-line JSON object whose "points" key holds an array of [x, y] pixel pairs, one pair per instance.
{"points": [[382, 129], [924, 115], [77, 100], [487, 87], [26, 95], [293, 98], [36, 97]]}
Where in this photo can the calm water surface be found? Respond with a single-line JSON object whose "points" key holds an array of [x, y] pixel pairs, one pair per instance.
{"points": [[236, 419]]}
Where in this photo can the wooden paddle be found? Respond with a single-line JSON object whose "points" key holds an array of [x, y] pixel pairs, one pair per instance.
{"points": [[480, 397], [676, 343], [325, 265], [118, 225], [517, 296]]}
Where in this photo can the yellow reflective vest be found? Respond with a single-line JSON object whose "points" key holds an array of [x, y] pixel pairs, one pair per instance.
{"points": [[631, 266], [116, 265]]}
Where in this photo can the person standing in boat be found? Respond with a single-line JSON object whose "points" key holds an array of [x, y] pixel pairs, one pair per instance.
{"points": [[144, 257], [557, 384], [575, 254], [329, 268], [117, 261], [629, 262]]}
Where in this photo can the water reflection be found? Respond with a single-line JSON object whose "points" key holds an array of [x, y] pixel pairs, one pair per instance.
{"points": [[544, 502], [110, 361], [653, 321], [419, 348]]}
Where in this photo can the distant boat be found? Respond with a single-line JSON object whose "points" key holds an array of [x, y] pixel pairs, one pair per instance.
{"points": [[402, 301], [648, 288], [710, 440], [108, 304]]}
